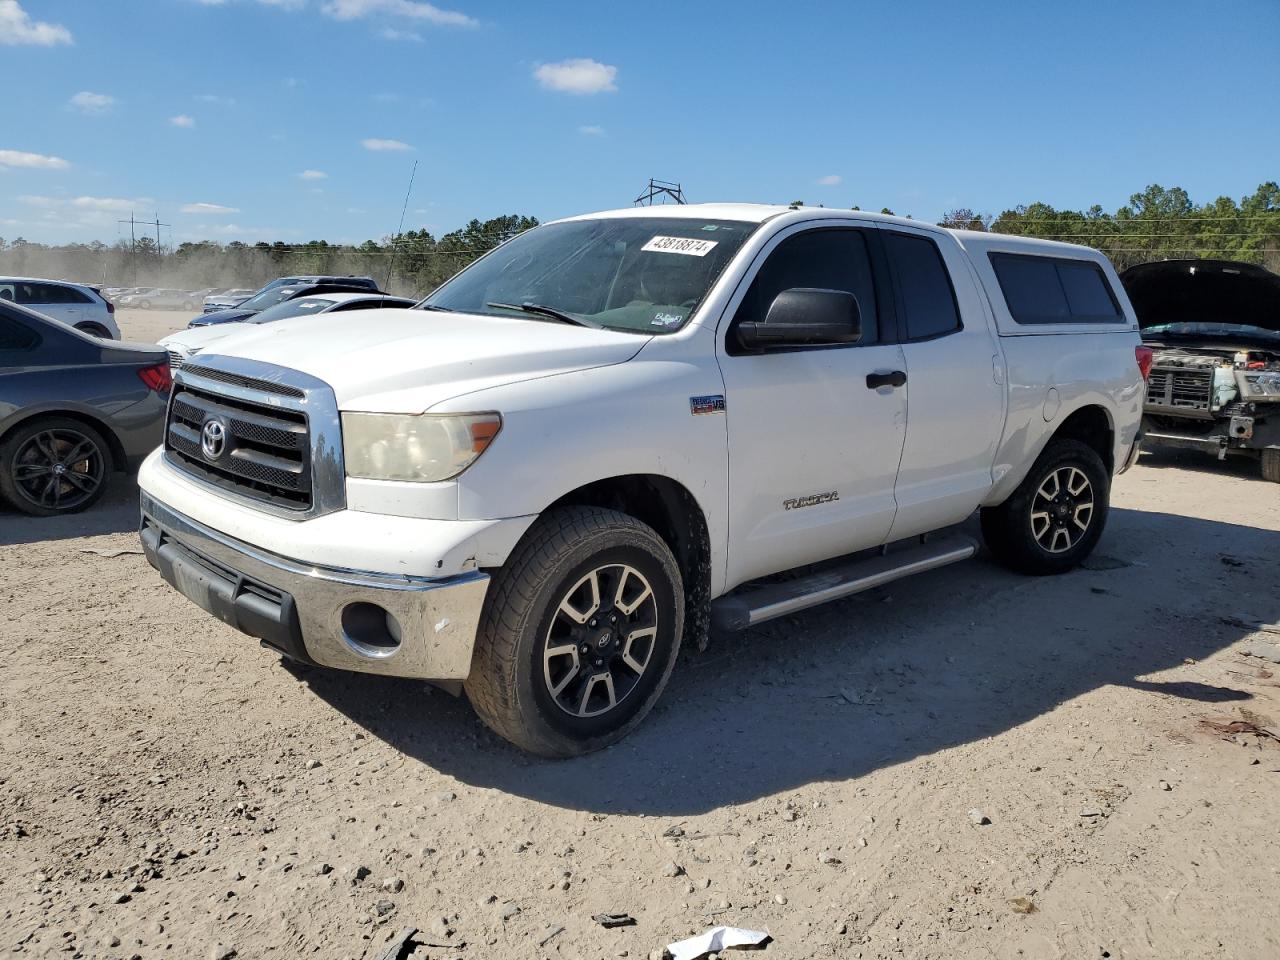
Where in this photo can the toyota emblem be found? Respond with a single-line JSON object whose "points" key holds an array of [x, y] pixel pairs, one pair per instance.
{"points": [[213, 439]]}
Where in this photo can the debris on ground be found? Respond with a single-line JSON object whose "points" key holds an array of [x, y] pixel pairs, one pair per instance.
{"points": [[715, 940], [1263, 649], [110, 553], [552, 932], [1022, 905], [611, 920], [1256, 626], [393, 950], [1230, 730], [1230, 561], [978, 818]]}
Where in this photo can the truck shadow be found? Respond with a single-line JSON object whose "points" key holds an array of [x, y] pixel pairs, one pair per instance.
{"points": [[116, 512], [1171, 458], [929, 664]]}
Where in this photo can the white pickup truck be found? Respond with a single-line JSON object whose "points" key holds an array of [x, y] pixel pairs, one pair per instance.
{"points": [[612, 433]]}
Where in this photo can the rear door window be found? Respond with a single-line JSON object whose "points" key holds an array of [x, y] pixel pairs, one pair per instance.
{"points": [[16, 335], [1041, 290], [57, 293], [924, 286]]}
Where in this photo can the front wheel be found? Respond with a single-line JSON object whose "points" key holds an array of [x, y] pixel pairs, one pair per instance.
{"points": [[579, 633], [1053, 520], [145, 304]]}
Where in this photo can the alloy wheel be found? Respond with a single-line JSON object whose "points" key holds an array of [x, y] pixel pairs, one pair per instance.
{"points": [[59, 469], [600, 640], [1062, 509]]}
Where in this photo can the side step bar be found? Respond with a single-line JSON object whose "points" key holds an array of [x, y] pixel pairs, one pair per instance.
{"points": [[742, 610]]}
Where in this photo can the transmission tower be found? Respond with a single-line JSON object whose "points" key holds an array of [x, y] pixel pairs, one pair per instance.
{"points": [[660, 191]]}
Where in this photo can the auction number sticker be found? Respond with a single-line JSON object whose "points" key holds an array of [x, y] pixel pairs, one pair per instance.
{"points": [[686, 245]]}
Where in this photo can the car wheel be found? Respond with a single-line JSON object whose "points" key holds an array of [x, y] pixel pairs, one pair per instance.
{"points": [[1271, 465], [579, 633], [94, 330], [145, 304], [52, 466], [1053, 520], [188, 306]]}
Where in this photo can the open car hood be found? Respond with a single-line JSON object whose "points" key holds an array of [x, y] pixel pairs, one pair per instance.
{"points": [[1203, 291]]}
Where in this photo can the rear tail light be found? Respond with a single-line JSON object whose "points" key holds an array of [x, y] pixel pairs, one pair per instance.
{"points": [[111, 307], [157, 378], [1145, 356]]}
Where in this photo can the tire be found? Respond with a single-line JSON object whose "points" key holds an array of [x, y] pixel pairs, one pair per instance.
{"points": [[145, 304], [29, 457], [560, 704], [93, 330], [1036, 534], [1271, 464], [188, 306]]}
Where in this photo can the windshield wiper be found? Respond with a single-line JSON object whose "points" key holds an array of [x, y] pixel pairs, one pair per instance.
{"points": [[542, 311], [432, 306]]}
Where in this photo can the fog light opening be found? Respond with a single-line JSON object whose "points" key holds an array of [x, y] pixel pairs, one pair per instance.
{"points": [[370, 630]]}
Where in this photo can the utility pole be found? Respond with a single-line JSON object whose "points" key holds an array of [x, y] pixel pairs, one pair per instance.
{"points": [[133, 240], [659, 191]]}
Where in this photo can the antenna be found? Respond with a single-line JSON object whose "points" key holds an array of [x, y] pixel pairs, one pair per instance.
{"points": [[658, 191], [395, 241]]}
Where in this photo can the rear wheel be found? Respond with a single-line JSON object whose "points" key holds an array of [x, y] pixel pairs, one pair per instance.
{"points": [[53, 466], [579, 634], [1053, 520], [145, 304], [94, 330], [1271, 465], [188, 305]]}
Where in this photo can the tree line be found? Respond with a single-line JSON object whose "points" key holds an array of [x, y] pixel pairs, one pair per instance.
{"points": [[1155, 224]]}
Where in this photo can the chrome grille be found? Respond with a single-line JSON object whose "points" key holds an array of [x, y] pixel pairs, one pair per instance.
{"points": [[1184, 389], [266, 451]]}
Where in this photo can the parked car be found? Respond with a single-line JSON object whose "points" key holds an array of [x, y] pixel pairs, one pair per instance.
{"points": [[227, 299], [73, 408], [354, 283], [77, 304], [269, 298], [1214, 326], [617, 429], [161, 298], [186, 343]]}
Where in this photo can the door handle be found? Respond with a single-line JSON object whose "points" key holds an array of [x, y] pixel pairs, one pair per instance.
{"points": [[895, 378]]}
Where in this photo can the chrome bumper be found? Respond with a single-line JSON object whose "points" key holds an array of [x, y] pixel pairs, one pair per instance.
{"points": [[348, 619]]}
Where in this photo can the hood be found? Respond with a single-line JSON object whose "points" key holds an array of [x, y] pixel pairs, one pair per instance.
{"points": [[221, 316], [405, 361], [198, 338], [1203, 291]]}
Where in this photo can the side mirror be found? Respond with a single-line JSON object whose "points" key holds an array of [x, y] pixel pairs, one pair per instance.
{"points": [[805, 316]]}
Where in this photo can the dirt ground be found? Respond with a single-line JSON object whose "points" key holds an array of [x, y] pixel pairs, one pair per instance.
{"points": [[170, 789]]}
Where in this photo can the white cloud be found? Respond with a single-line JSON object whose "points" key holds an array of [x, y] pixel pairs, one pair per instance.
{"points": [[88, 102], [580, 76], [386, 98], [410, 9], [380, 145], [208, 208], [105, 203], [830, 180], [591, 130], [17, 27], [313, 175], [182, 120], [391, 33], [17, 158], [215, 98]]}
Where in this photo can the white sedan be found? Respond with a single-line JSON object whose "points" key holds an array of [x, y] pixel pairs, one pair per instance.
{"points": [[186, 343]]}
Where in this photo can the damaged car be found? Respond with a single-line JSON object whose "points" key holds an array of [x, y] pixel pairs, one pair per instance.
{"points": [[1214, 329]]}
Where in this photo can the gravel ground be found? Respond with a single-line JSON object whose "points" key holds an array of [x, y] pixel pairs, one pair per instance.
{"points": [[969, 764]]}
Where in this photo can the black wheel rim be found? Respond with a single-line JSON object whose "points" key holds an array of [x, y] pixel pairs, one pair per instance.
{"points": [[1062, 509], [58, 469], [600, 641]]}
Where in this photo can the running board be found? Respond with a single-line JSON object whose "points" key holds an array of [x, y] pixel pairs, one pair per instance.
{"points": [[739, 611]]}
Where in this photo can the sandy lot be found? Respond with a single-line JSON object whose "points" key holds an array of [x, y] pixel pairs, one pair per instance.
{"points": [[170, 789]]}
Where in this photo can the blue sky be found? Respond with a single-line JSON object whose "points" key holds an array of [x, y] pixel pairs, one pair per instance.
{"points": [[301, 119]]}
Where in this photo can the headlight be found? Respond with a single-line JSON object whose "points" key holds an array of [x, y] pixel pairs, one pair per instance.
{"points": [[1264, 384], [387, 446]]}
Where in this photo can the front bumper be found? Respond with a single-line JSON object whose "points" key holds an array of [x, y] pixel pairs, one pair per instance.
{"points": [[351, 620]]}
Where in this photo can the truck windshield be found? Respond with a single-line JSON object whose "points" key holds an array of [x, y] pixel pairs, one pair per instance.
{"points": [[636, 274], [1212, 329]]}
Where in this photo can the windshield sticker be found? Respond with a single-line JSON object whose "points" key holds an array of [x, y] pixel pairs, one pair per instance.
{"points": [[686, 245], [665, 319]]}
